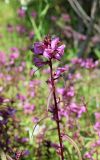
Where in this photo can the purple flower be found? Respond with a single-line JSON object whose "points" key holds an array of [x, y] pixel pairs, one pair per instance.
{"points": [[69, 92], [54, 50], [88, 155], [2, 58], [38, 62], [33, 14], [21, 13], [66, 17], [89, 64], [31, 34], [38, 48], [21, 97], [60, 52], [35, 119], [24, 140], [97, 116], [26, 152], [28, 108], [76, 61], [20, 29], [14, 56], [60, 90], [14, 49], [77, 109], [61, 70], [54, 43], [97, 127], [47, 53], [49, 48], [96, 144]]}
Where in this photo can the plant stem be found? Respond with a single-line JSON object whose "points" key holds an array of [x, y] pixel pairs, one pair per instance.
{"points": [[56, 110]]}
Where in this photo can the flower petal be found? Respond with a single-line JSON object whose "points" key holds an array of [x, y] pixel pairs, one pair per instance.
{"points": [[48, 53], [54, 43], [38, 48]]}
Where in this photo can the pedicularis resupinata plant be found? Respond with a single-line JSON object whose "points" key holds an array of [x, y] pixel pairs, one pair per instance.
{"points": [[51, 49]]}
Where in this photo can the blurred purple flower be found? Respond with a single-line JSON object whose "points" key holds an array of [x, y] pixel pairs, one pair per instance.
{"points": [[2, 58], [14, 49], [66, 17], [69, 92], [21, 12], [88, 155], [73, 107], [21, 97], [31, 35], [97, 116], [26, 152], [33, 14], [61, 70], [14, 56], [35, 119], [53, 18], [97, 127], [20, 29], [28, 108]]}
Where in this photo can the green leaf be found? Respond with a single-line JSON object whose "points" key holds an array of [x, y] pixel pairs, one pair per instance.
{"points": [[97, 53]]}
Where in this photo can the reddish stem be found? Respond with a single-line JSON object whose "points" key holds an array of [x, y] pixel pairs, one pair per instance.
{"points": [[56, 110]]}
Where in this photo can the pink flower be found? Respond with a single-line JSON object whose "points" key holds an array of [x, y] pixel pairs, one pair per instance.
{"points": [[2, 58], [97, 127], [75, 108], [20, 29], [49, 48], [60, 90], [88, 155], [66, 17], [54, 43], [21, 13], [60, 71], [14, 56], [69, 92], [53, 18], [90, 64], [31, 34], [35, 119], [28, 108], [21, 97], [97, 116]]}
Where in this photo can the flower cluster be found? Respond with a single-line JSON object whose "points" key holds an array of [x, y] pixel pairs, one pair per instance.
{"points": [[85, 63], [49, 48]]}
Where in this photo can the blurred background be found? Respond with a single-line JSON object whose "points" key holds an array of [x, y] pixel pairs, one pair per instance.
{"points": [[24, 96]]}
